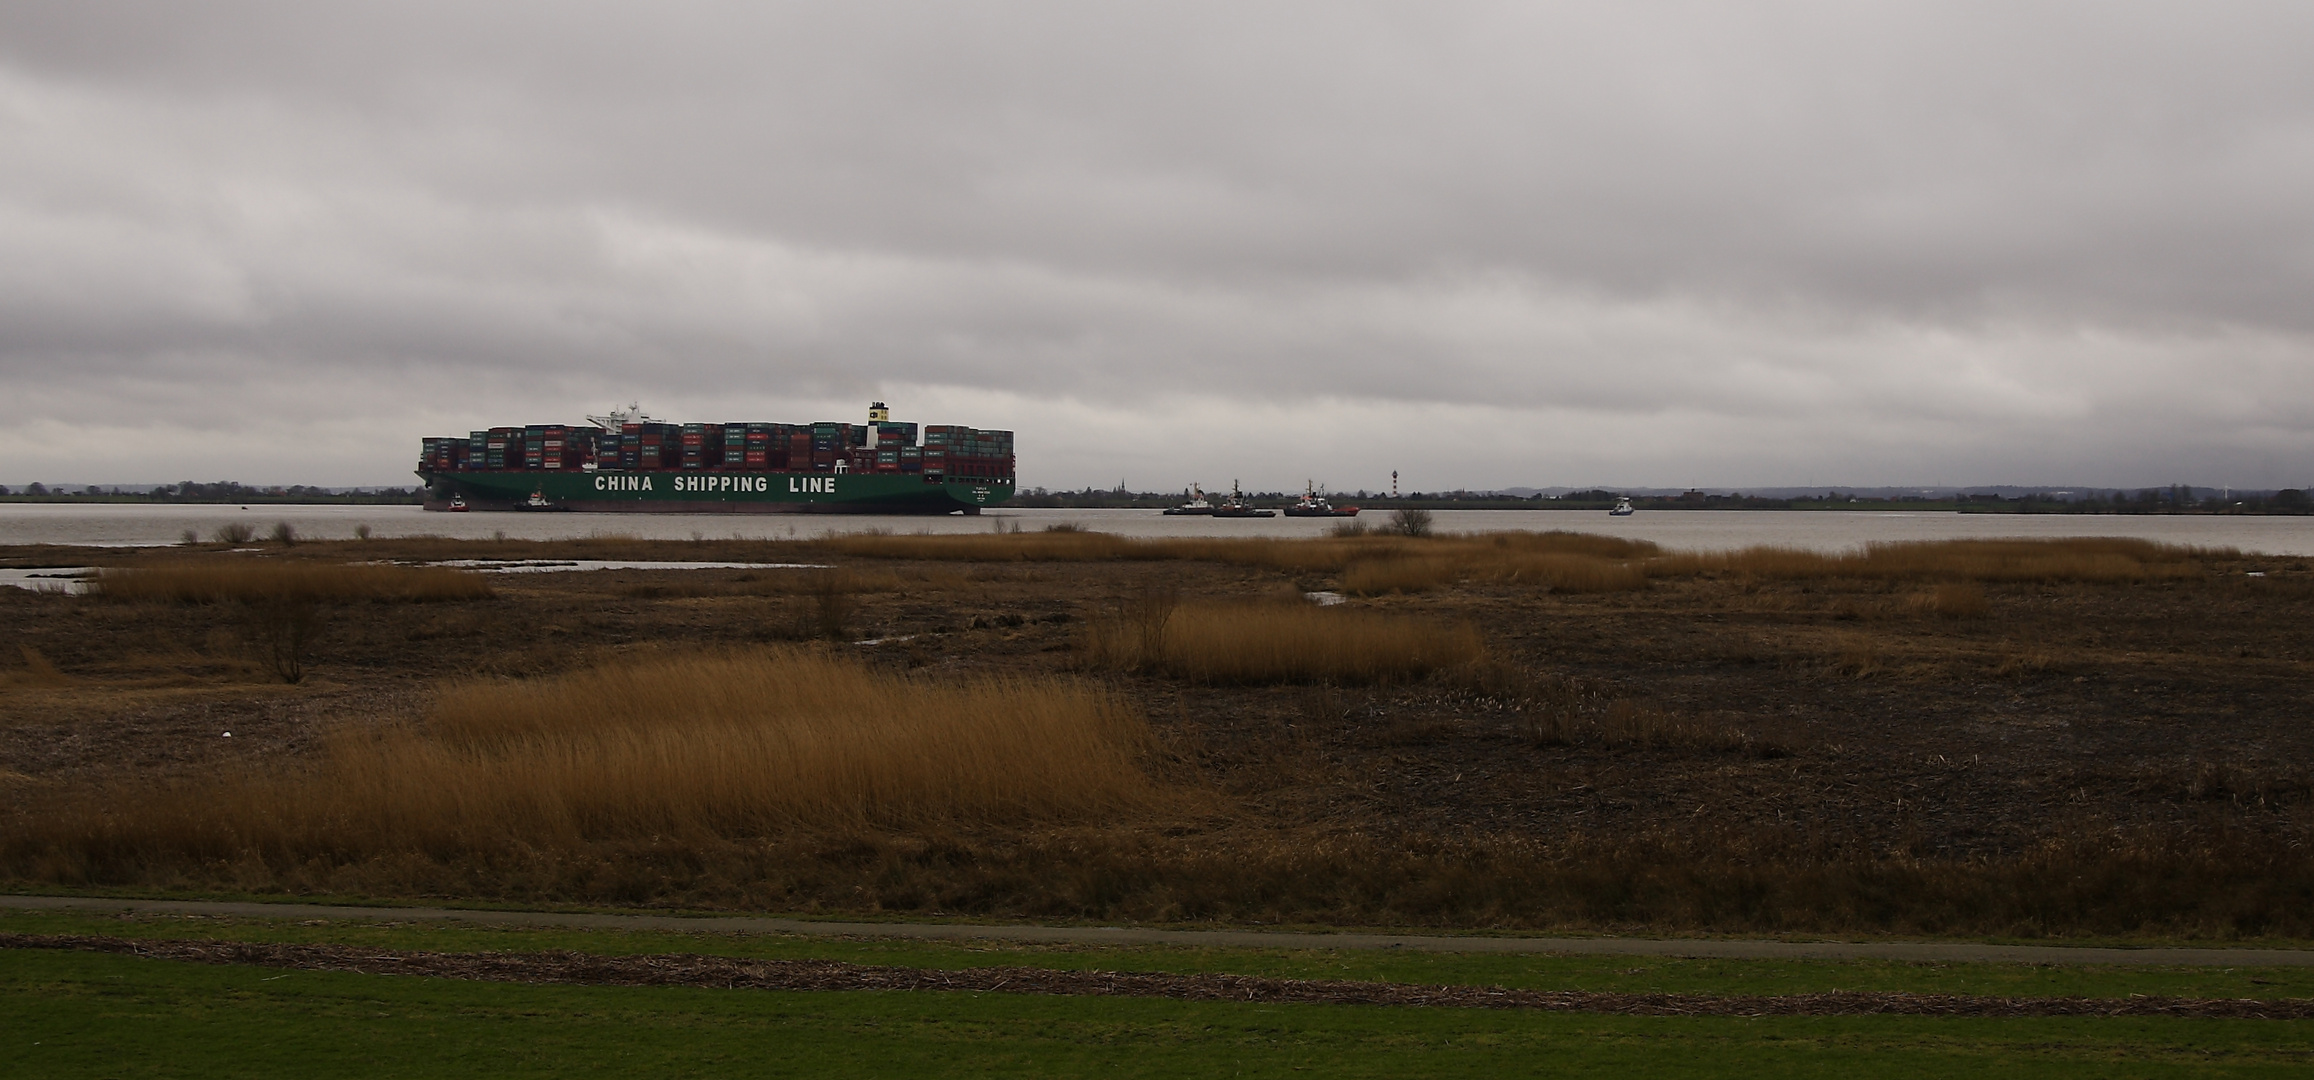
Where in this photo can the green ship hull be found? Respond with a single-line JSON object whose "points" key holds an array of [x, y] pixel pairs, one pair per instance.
{"points": [[667, 492]]}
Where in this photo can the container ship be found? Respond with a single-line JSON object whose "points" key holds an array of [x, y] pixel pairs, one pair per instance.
{"points": [[629, 462]]}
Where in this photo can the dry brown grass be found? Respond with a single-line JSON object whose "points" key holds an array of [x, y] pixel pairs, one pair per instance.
{"points": [[220, 581], [37, 673], [1567, 572], [720, 747], [990, 547], [2095, 559], [1323, 554], [1276, 643], [850, 580], [1955, 600], [1375, 577]]}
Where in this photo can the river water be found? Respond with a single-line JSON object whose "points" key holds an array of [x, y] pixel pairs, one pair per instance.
{"points": [[133, 524]]}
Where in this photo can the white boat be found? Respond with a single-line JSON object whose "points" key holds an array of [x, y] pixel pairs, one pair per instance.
{"points": [[1197, 506], [1623, 508]]}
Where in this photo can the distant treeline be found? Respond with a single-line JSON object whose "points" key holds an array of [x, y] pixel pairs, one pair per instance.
{"points": [[223, 491], [2176, 499]]}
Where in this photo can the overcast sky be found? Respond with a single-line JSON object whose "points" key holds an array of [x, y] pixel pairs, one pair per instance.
{"points": [[1621, 243]]}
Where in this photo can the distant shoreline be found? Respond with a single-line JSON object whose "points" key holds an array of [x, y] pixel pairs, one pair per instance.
{"points": [[1987, 505]]}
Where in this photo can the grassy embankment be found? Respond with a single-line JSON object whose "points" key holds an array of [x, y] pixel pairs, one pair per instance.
{"points": [[118, 1016]]}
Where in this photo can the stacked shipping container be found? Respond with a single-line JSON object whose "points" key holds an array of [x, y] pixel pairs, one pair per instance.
{"points": [[948, 451]]}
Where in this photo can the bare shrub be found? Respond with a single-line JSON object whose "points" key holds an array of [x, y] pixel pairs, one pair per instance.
{"points": [[234, 532], [1281, 643], [188, 538], [832, 605], [280, 627], [1410, 521], [362, 532], [283, 534], [239, 580], [1352, 527]]}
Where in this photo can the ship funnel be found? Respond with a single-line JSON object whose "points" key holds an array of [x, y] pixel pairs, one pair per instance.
{"points": [[878, 412]]}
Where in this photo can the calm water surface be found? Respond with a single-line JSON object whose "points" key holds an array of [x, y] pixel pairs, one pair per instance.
{"points": [[126, 524]]}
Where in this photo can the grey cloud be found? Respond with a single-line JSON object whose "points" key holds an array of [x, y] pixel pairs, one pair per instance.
{"points": [[1982, 242]]}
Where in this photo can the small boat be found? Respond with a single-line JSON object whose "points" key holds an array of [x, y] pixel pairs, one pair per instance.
{"points": [[1313, 504], [1622, 509], [457, 504], [1235, 506], [537, 502], [1195, 507]]}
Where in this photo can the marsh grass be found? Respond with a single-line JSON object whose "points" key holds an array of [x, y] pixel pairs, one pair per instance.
{"points": [[1567, 572], [279, 580], [1274, 642], [1375, 577], [702, 748], [850, 580], [1369, 563]]}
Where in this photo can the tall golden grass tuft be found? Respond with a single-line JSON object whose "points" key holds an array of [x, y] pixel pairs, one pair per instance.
{"points": [[729, 746], [1277, 643], [1568, 572], [2088, 559], [1561, 542], [1374, 577], [220, 581]]}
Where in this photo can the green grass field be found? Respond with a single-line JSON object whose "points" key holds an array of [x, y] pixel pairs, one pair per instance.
{"points": [[77, 1014]]}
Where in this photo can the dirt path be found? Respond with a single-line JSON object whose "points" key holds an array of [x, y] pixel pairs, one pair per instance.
{"points": [[735, 974], [1950, 952]]}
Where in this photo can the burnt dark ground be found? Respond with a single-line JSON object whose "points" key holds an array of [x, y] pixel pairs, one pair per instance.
{"points": [[1822, 711]]}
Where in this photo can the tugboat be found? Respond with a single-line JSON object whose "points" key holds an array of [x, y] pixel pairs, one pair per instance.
{"points": [[538, 502], [1195, 507], [1313, 504], [1622, 508], [1235, 506], [457, 504]]}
